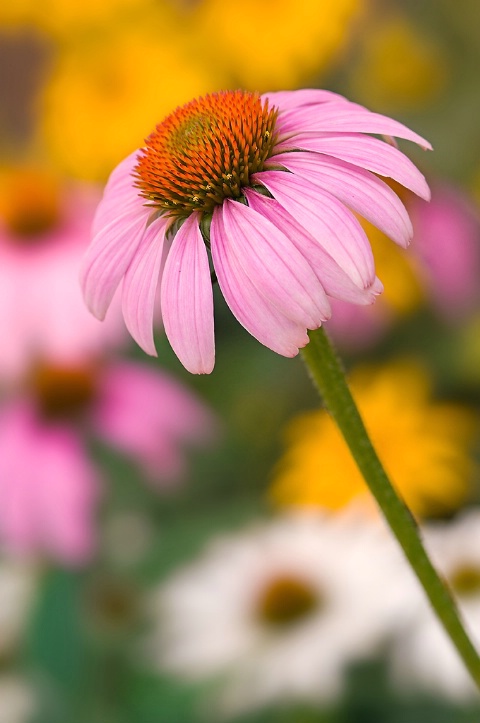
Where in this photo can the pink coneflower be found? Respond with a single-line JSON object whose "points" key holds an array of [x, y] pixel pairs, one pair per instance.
{"points": [[44, 230], [49, 485], [447, 246], [269, 186]]}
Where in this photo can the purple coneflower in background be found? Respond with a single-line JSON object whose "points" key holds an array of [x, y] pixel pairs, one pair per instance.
{"points": [[44, 231], [269, 185], [447, 246], [49, 484]]}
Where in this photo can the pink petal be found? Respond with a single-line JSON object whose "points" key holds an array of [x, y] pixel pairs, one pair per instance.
{"points": [[360, 190], [108, 257], [140, 285], [344, 118], [287, 99], [119, 193], [327, 220], [368, 153], [249, 306], [332, 277], [274, 265], [187, 299]]}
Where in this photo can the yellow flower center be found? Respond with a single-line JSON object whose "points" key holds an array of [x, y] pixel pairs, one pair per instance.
{"points": [[30, 205], [206, 152], [286, 600], [63, 392], [465, 580]]}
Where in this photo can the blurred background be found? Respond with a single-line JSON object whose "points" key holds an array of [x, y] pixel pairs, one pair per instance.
{"points": [[179, 549]]}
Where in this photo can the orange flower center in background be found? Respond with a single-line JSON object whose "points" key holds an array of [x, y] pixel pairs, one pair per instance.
{"points": [[205, 152], [465, 580], [30, 205], [286, 600], [63, 392]]}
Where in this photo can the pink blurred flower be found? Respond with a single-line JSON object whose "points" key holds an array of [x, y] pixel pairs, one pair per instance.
{"points": [[269, 184], [447, 244], [44, 231], [149, 416], [49, 486], [353, 328]]}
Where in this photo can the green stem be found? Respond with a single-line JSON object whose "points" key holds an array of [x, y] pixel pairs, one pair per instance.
{"points": [[329, 377]]}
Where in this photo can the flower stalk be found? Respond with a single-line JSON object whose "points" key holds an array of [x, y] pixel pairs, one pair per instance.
{"points": [[329, 377]]}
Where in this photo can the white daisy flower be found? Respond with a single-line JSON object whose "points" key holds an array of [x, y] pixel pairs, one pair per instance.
{"points": [[423, 655], [279, 611]]}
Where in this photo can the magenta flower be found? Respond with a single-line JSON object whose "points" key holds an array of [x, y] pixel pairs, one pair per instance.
{"points": [[44, 230], [49, 486], [447, 244], [150, 417], [269, 186]]}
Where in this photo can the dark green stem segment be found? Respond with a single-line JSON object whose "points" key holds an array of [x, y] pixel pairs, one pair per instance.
{"points": [[328, 374]]}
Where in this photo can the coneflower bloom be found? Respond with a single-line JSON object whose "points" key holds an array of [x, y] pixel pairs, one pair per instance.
{"points": [[262, 190], [49, 485], [44, 231], [447, 236]]}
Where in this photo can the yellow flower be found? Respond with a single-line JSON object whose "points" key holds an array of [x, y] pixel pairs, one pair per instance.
{"points": [[108, 91], [261, 46], [423, 444], [61, 18], [274, 44], [398, 67]]}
